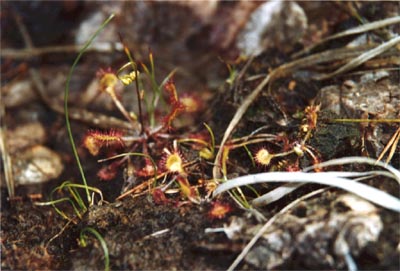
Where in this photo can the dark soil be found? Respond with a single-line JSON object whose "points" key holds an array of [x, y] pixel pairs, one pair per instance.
{"points": [[142, 233], [36, 238]]}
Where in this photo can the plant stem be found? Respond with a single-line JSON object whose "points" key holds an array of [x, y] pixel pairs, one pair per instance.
{"points": [[71, 138], [102, 243]]}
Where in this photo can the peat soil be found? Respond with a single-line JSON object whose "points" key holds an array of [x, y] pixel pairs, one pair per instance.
{"points": [[143, 233]]}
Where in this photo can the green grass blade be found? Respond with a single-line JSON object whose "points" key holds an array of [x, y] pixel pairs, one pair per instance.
{"points": [[66, 94], [102, 243]]}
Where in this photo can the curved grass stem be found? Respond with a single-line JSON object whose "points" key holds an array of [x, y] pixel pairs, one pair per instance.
{"points": [[66, 94], [103, 244]]}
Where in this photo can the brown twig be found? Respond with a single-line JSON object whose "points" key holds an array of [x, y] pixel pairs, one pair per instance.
{"points": [[95, 119]]}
